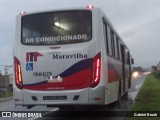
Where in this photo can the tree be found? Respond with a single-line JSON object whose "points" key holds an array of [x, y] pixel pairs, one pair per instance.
{"points": [[140, 69], [154, 68]]}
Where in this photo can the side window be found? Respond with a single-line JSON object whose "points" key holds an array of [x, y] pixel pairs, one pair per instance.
{"points": [[129, 60], [127, 55], [115, 46], [106, 37], [112, 43], [117, 42], [120, 50], [109, 40]]}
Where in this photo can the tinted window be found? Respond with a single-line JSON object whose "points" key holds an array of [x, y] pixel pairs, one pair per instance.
{"points": [[112, 43], [62, 27], [117, 41], [106, 36]]}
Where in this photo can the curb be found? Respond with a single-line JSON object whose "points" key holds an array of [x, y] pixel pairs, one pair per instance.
{"points": [[6, 99]]}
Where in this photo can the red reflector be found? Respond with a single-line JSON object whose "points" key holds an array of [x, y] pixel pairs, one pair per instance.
{"points": [[16, 99], [97, 99], [90, 7]]}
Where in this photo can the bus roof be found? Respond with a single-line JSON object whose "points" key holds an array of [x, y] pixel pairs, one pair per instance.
{"points": [[87, 7]]}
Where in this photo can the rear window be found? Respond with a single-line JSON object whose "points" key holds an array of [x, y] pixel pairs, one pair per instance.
{"points": [[64, 27]]}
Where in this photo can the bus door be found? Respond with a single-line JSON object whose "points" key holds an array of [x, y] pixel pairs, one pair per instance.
{"points": [[123, 66]]}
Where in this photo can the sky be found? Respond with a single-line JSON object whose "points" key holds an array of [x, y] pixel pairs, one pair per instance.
{"points": [[136, 21]]}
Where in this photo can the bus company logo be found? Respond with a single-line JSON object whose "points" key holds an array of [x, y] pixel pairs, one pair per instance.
{"points": [[30, 58]]}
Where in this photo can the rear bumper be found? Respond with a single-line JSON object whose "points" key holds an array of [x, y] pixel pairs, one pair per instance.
{"points": [[67, 97]]}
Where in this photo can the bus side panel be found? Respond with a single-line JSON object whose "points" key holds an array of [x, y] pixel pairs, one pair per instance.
{"points": [[110, 72], [113, 72], [97, 94], [18, 96], [17, 93], [114, 76]]}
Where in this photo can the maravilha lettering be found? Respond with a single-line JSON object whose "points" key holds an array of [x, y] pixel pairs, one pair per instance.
{"points": [[70, 56]]}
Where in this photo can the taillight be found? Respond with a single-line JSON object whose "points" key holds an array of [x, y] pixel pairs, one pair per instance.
{"points": [[18, 73], [96, 70]]}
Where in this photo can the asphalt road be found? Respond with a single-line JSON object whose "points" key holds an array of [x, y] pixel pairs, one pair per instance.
{"points": [[80, 113]]}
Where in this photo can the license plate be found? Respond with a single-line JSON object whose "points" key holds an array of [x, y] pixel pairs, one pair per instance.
{"points": [[54, 97], [52, 79]]}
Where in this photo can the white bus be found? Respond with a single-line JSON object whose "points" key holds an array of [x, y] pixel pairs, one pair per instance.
{"points": [[69, 57]]}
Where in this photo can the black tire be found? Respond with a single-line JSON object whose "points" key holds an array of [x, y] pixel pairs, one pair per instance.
{"points": [[67, 107], [119, 96]]}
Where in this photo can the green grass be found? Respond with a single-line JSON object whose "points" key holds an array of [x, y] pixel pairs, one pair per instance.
{"points": [[148, 98], [6, 94]]}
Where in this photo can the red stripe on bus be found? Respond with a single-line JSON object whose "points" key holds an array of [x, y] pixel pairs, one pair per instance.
{"points": [[27, 57], [113, 76], [78, 80]]}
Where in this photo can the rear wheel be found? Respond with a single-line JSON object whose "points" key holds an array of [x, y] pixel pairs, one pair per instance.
{"points": [[119, 96], [67, 107]]}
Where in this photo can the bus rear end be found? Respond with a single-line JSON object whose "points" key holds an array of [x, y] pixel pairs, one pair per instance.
{"points": [[56, 59]]}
